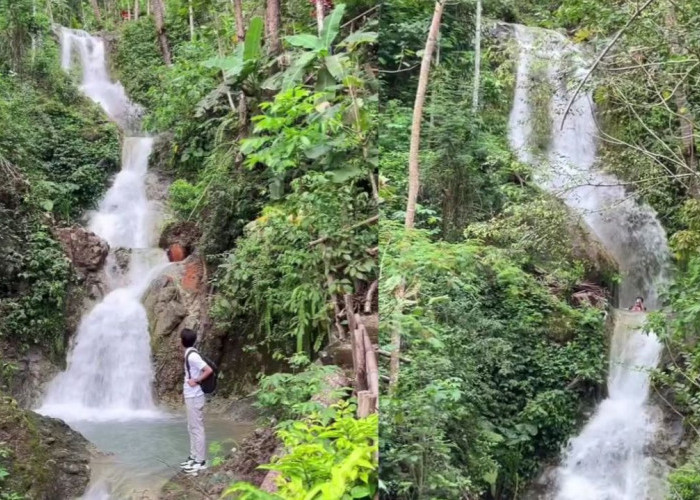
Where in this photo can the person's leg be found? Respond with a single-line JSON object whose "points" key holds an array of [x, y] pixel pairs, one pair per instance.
{"points": [[197, 433], [190, 404]]}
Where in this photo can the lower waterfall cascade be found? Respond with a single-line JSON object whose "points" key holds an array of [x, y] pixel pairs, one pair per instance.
{"points": [[608, 460], [109, 372]]}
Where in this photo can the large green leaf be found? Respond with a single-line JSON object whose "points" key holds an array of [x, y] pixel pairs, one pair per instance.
{"points": [[359, 37], [306, 40], [324, 80], [295, 72], [331, 26], [343, 174], [253, 37], [334, 64]]}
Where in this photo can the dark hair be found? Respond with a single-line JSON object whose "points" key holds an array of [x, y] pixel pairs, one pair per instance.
{"points": [[640, 298], [188, 337]]}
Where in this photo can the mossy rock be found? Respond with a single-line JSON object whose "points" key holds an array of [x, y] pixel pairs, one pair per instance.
{"points": [[44, 458]]}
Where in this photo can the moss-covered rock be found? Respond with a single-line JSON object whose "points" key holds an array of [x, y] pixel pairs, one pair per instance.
{"points": [[44, 458]]}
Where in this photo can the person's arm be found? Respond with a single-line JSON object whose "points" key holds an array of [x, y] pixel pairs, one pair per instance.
{"points": [[206, 370], [205, 373]]}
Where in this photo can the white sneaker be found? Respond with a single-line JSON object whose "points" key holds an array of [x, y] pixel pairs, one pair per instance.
{"points": [[195, 467], [187, 463]]}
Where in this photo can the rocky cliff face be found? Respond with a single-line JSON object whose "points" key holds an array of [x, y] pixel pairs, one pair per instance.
{"points": [[27, 369], [177, 299], [44, 458]]}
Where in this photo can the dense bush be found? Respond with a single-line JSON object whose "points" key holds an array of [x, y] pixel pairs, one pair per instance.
{"points": [[326, 457], [483, 401]]}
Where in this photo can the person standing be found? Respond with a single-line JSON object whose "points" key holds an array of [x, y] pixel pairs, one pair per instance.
{"points": [[196, 370]]}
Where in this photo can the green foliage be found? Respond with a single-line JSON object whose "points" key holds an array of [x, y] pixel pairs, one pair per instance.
{"points": [[467, 168], [5, 453], [684, 482], [276, 281], [491, 349], [289, 396], [332, 63], [215, 450], [36, 316], [57, 152], [246, 57], [327, 458], [137, 59]]}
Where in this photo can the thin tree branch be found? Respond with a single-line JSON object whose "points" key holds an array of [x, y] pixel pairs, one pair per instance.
{"points": [[600, 58]]}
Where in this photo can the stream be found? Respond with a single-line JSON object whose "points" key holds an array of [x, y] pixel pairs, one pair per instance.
{"points": [[610, 458], [106, 390]]}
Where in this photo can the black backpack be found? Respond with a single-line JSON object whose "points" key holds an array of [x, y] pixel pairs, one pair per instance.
{"points": [[208, 385]]}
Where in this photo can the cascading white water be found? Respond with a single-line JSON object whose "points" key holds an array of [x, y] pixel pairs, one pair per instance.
{"points": [[607, 460], [109, 371], [95, 81]]}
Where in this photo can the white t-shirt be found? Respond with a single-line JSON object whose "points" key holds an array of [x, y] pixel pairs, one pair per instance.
{"points": [[197, 364]]}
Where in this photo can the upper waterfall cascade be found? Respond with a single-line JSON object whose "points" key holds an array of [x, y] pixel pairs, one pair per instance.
{"points": [[109, 372], [608, 460]]}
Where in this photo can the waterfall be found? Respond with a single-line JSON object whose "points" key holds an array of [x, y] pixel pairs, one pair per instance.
{"points": [[109, 373], [608, 460]]}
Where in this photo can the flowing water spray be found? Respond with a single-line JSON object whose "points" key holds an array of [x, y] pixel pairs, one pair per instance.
{"points": [[109, 370], [608, 459]]}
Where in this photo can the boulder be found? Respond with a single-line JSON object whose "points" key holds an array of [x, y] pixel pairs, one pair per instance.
{"points": [[184, 234], [45, 459], [27, 370], [174, 300], [86, 250], [176, 253]]}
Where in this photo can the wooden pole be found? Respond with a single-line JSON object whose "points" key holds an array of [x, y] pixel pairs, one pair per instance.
{"points": [[371, 363]]}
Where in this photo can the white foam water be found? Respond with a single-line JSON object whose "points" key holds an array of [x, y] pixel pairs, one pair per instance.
{"points": [[608, 460], [96, 83], [109, 373]]}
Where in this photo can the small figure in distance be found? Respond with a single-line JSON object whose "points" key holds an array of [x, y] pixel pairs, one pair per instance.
{"points": [[638, 305]]}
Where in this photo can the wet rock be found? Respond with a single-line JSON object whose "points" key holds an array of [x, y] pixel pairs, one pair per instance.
{"points": [[185, 234], [27, 372], [333, 385], [86, 250], [175, 300], [176, 253], [47, 460], [340, 353], [543, 485], [122, 257]]}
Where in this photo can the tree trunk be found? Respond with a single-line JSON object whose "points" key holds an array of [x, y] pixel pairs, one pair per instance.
{"points": [[413, 170], [477, 57], [191, 16], [240, 23], [319, 15], [96, 10], [687, 123], [50, 11], [413, 167], [272, 24], [159, 16], [137, 9]]}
